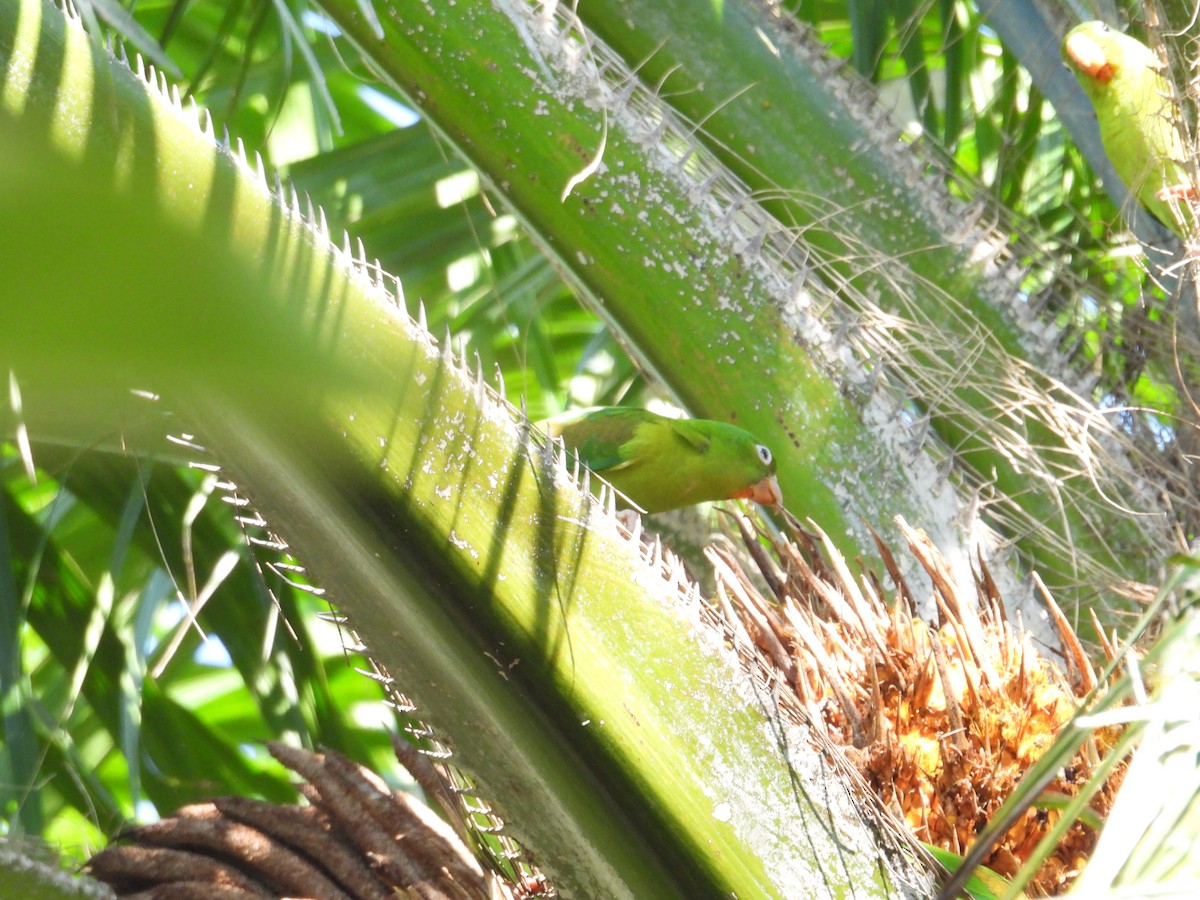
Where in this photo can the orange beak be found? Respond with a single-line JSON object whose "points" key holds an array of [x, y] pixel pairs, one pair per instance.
{"points": [[1089, 57], [766, 492]]}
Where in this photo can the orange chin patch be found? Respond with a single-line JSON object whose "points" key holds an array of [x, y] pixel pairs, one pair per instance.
{"points": [[1183, 191], [1089, 57], [766, 492]]}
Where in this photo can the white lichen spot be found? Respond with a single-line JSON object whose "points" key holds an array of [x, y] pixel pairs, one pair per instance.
{"points": [[462, 544], [722, 812]]}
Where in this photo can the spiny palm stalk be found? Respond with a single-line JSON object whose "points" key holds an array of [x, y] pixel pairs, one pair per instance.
{"points": [[1039, 425], [860, 354], [479, 570], [941, 722]]}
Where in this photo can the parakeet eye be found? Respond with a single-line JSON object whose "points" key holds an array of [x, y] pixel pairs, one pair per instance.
{"points": [[764, 454]]}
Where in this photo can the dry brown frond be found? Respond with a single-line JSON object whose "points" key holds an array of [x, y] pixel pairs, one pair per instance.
{"points": [[356, 839]]}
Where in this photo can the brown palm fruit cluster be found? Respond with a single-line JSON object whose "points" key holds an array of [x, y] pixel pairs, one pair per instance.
{"points": [[940, 721]]}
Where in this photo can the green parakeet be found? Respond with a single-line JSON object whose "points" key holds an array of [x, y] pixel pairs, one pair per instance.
{"points": [[661, 463], [1139, 121]]}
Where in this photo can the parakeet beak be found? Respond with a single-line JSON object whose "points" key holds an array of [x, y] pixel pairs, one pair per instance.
{"points": [[1089, 57], [766, 492]]}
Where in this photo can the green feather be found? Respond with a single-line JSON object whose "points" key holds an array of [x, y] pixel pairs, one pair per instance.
{"points": [[660, 463], [1137, 115]]}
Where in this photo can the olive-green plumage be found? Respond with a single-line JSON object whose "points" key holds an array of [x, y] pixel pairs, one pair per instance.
{"points": [[661, 463], [1138, 118]]}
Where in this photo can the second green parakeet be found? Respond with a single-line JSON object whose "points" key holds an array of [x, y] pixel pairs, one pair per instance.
{"points": [[1139, 121], [661, 463]]}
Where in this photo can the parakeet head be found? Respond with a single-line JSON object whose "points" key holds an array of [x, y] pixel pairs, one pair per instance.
{"points": [[1097, 55], [766, 489], [744, 467]]}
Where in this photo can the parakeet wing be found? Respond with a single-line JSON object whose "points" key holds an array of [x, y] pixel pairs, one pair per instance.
{"points": [[599, 434]]}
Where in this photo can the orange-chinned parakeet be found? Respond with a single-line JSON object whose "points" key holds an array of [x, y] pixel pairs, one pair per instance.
{"points": [[1138, 117], [661, 463]]}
